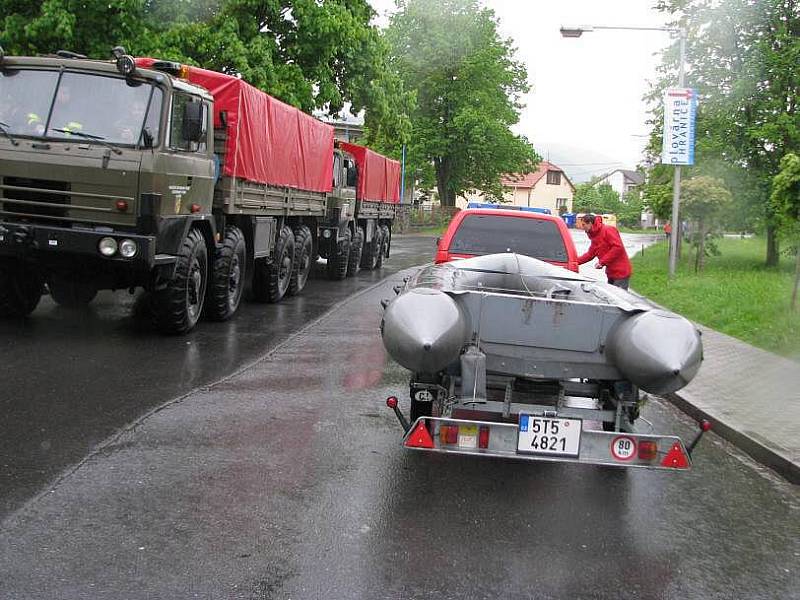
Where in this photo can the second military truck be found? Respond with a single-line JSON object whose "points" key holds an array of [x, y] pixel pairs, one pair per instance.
{"points": [[186, 182]]}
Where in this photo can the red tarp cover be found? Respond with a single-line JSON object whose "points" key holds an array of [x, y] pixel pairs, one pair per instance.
{"points": [[378, 176], [268, 141]]}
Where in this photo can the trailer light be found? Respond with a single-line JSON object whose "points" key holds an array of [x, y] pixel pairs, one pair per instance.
{"points": [[122, 206], [107, 246], [483, 437], [448, 434], [183, 72], [391, 402], [648, 449], [128, 248], [676, 457], [420, 437], [195, 208]]}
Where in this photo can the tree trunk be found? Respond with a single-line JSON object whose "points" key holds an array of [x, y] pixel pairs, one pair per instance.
{"points": [[701, 247], [447, 197], [772, 246], [796, 278]]}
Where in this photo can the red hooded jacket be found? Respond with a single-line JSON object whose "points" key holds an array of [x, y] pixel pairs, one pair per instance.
{"points": [[607, 246]]}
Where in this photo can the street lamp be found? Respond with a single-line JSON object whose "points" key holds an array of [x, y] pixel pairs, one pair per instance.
{"points": [[576, 32]]}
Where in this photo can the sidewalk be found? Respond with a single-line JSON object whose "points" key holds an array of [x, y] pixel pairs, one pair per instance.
{"points": [[752, 398]]}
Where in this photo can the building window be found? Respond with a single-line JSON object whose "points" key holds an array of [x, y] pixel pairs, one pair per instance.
{"points": [[561, 205], [554, 177]]}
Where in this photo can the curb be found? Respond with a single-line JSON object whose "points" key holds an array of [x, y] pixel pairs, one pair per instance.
{"points": [[757, 450]]}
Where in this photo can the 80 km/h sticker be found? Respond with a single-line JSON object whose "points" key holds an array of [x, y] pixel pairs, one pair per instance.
{"points": [[623, 447]]}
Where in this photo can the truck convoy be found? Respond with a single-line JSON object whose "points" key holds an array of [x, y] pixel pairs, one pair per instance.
{"points": [[189, 183]]}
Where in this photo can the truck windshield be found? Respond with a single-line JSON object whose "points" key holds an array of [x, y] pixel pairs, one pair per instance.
{"points": [[39, 104]]}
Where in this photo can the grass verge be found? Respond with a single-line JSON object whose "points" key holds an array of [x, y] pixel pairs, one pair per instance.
{"points": [[735, 294]]}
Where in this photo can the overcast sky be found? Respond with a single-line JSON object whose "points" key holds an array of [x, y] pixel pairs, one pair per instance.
{"points": [[585, 111]]}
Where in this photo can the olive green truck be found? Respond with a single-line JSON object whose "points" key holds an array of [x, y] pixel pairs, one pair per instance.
{"points": [[188, 183]]}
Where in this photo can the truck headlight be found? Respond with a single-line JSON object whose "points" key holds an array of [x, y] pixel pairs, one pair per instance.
{"points": [[128, 248], [107, 246], [326, 233]]}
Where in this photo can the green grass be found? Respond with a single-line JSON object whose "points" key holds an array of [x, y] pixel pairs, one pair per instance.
{"points": [[735, 294], [425, 230]]}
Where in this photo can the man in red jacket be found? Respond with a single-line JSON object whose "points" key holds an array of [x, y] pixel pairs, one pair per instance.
{"points": [[607, 246]]}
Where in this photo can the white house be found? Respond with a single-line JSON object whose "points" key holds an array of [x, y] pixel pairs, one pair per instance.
{"points": [[622, 181]]}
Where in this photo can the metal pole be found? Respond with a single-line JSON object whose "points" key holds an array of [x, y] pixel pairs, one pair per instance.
{"points": [[676, 179], [403, 177]]}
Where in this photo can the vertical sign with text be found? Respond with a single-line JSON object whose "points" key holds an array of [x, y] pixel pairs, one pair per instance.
{"points": [[680, 109]]}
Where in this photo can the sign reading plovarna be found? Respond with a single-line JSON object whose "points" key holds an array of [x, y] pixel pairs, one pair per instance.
{"points": [[680, 110]]}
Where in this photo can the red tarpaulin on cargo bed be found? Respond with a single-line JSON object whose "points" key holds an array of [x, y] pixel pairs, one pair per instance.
{"points": [[268, 141], [378, 176]]}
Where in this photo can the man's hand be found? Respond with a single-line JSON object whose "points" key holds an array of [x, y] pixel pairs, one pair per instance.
{"points": [[598, 266]]}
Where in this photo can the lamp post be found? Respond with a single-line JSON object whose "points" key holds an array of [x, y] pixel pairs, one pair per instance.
{"points": [[576, 32]]}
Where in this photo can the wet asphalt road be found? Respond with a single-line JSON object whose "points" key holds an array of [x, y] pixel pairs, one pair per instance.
{"points": [[287, 480], [72, 378]]}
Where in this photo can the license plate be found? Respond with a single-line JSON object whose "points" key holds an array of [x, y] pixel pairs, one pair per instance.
{"points": [[549, 435]]}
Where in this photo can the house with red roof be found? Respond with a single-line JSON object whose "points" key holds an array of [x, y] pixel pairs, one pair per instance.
{"points": [[546, 187]]}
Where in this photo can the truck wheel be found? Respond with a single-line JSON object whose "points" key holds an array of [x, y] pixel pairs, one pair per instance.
{"points": [[337, 264], [20, 289], [384, 243], [227, 276], [279, 271], [69, 293], [369, 255], [356, 249], [303, 254], [179, 305]]}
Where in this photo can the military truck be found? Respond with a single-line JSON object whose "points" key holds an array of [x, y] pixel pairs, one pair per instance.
{"points": [[188, 183]]}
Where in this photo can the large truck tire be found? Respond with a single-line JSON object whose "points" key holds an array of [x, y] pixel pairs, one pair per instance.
{"points": [[20, 289], [369, 254], [70, 293], [356, 249], [227, 276], [383, 246], [303, 259], [337, 264], [271, 281], [178, 306]]}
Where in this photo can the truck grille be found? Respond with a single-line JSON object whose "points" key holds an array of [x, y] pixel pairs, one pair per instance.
{"points": [[35, 197]]}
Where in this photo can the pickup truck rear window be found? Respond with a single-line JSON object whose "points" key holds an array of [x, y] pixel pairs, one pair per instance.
{"points": [[488, 234]]}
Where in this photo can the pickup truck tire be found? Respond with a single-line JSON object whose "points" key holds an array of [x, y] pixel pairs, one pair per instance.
{"points": [[337, 264], [227, 276], [178, 306], [303, 259], [20, 289], [356, 249], [279, 271], [69, 293], [384, 244]]}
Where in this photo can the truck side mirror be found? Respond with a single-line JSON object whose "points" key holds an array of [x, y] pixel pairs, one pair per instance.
{"points": [[352, 177], [192, 125]]}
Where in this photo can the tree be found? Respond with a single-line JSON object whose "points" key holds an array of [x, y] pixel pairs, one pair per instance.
{"points": [[468, 87], [598, 199], [786, 204], [630, 210], [311, 54], [744, 58], [704, 200]]}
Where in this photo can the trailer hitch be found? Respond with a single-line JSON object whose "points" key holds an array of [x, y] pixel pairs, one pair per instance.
{"points": [[392, 403], [704, 426]]}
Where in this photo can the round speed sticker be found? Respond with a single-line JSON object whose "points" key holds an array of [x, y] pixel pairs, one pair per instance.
{"points": [[623, 447]]}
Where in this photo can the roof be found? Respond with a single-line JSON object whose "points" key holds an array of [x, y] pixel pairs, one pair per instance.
{"points": [[633, 177], [529, 180]]}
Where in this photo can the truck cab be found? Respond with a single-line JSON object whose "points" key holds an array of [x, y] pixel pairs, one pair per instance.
{"points": [[102, 173]]}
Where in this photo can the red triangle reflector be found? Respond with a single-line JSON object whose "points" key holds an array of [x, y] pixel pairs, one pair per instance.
{"points": [[676, 458], [420, 437]]}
